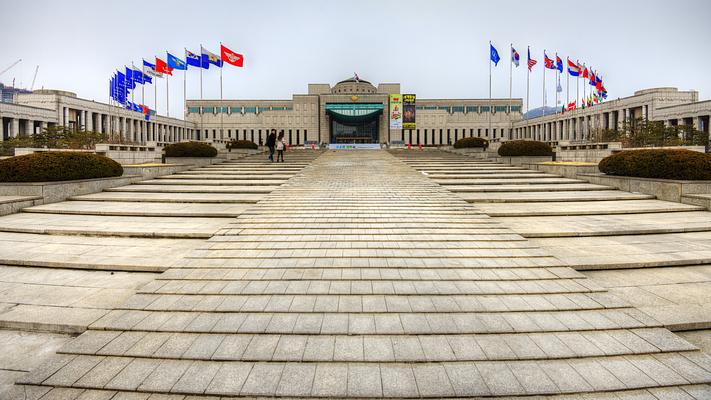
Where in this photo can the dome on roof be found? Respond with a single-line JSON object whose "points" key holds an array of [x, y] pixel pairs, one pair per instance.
{"points": [[353, 85]]}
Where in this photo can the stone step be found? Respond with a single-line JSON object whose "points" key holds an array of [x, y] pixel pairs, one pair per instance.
{"points": [[13, 204], [203, 189], [608, 225], [376, 348], [224, 176], [129, 208], [630, 251], [561, 187], [110, 225], [152, 197], [465, 180], [603, 195], [583, 208], [375, 323], [213, 182], [93, 253]]}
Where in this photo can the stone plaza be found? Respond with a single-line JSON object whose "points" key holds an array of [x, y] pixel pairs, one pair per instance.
{"points": [[357, 274]]}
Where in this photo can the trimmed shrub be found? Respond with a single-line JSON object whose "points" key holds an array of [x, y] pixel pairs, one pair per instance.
{"points": [[471, 142], [190, 149], [531, 148], [54, 166], [242, 144], [659, 163]]}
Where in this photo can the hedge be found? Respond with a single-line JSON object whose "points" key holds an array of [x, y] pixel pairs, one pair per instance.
{"points": [[516, 148], [242, 144], [470, 142], [57, 166], [190, 149], [659, 163]]}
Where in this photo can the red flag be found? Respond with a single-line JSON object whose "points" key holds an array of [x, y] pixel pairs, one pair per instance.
{"points": [[162, 67], [230, 57], [145, 109]]}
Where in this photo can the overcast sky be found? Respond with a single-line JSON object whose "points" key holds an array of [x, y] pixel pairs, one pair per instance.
{"points": [[436, 49]]}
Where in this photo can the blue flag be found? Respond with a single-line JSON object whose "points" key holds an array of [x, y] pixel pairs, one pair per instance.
{"points": [[121, 88], [176, 63], [210, 58], [147, 78], [193, 59], [138, 76], [494, 55]]}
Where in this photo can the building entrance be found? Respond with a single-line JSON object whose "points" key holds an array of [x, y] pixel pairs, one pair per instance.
{"points": [[354, 122]]}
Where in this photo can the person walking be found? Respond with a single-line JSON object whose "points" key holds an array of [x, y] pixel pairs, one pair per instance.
{"points": [[280, 145], [271, 142]]}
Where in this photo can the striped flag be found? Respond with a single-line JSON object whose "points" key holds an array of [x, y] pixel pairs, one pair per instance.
{"points": [[531, 62]]}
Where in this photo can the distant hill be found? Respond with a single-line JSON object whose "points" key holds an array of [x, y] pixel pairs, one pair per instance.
{"points": [[537, 112]]}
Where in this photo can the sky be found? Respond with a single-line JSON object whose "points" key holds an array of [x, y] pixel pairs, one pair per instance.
{"points": [[435, 49]]}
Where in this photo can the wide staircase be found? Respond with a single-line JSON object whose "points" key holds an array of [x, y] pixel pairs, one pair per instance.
{"points": [[363, 277]]}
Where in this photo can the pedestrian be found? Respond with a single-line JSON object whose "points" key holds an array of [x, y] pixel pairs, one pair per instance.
{"points": [[271, 142], [280, 145]]}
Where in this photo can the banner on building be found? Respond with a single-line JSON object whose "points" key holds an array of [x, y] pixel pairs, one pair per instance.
{"points": [[396, 111], [408, 111]]}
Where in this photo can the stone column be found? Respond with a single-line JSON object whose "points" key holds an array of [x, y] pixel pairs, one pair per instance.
{"points": [[65, 116], [2, 130], [43, 125], [15, 130], [89, 120]]}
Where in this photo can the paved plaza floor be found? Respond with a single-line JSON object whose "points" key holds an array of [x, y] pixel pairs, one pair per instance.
{"points": [[363, 274]]}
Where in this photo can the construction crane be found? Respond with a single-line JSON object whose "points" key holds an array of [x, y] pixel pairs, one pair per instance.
{"points": [[34, 78], [11, 65]]}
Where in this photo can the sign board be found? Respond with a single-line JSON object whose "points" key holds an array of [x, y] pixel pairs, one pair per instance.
{"points": [[396, 111], [408, 111], [354, 146]]}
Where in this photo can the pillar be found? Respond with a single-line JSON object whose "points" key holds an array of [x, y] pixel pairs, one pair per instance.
{"points": [[89, 121], [2, 129], [15, 129]]}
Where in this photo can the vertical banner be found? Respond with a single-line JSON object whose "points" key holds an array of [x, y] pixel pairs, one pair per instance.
{"points": [[408, 111], [395, 111]]}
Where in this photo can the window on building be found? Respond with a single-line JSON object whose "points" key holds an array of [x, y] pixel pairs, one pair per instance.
{"points": [[297, 136], [418, 136], [456, 135], [457, 109], [445, 108], [208, 110], [472, 109], [515, 108], [235, 110], [290, 142], [306, 135], [251, 134], [500, 108], [440, 137], [484, 109], [193, 110], [250, 110]]}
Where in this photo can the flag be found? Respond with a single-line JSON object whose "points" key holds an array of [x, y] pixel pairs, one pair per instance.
{"points": [[584, 73], [209, 58], [591, 82], [150, 69], [162, 67], [572, 105], [147, 78], [598, 82], [121, 88], [558, 63], [230, 57], [573, 68], [493, 54], [130, 82], [515, 57], [138, 76], [176, 63], [531, 62], [548, 62], [192, 59]]}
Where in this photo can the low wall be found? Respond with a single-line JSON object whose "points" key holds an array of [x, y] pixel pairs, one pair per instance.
{"points": [[566, 170], [194, 161], [52, 192], [151, 171], [129, 154], [123, 154], [11, 206], [525, 160], [595, 152], [663, 189]]}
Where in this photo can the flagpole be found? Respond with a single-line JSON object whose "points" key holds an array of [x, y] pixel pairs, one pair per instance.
{"points": [[510, 76], [221, 113], [185, 98], [167, 98], [577, 84], [528, 78], [567, 84], [201, 115], [556, 81], [544, 82], [490, 110]]}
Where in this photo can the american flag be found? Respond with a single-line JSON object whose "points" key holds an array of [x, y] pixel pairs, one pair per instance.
{"points": [[531, 62]]}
